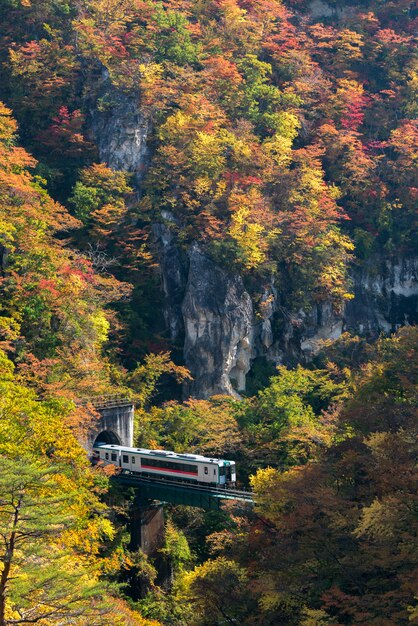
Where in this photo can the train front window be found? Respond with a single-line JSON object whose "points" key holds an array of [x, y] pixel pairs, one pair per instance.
{"points": [[222, 471], [228, 472]]}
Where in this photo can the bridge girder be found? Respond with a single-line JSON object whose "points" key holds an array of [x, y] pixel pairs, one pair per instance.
{"points": [[182, 493]]}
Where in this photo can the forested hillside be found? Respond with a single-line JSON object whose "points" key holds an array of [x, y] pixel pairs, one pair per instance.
{"points": [[209, 207]]}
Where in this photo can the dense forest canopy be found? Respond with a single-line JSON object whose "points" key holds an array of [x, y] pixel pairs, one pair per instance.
{"points": [[281, 137], [279, 141]]}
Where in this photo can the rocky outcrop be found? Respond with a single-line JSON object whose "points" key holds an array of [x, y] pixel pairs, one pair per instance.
{"points": [[174, 268], [218, 318], [222, 334], [320, 9], [4, 259], [385, 296], [120, 130]]}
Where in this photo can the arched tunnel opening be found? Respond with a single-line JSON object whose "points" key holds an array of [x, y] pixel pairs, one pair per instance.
{"points": [[107, 436]]}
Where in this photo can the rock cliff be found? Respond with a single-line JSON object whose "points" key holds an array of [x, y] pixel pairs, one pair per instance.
{"points": [[174, 268], [120, 130], [222, 334], [218, 321]]}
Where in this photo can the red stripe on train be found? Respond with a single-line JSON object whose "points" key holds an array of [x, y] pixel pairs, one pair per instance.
{"points": [[163, 469]]}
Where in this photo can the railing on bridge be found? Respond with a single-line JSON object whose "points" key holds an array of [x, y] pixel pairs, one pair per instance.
{"points": [[176, 492], [110, 401]]}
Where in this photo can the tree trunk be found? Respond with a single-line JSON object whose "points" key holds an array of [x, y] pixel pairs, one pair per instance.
{"points": [[7, 563]]}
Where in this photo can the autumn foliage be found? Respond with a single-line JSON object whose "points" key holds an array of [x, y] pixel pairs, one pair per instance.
{"points": [[282, 138], [275, 135]]}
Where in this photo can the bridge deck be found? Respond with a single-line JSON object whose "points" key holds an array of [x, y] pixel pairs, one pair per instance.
{"points": [[175, 492]]}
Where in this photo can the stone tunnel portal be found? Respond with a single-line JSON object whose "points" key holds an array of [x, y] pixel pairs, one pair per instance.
{"points": [[115, 425]]}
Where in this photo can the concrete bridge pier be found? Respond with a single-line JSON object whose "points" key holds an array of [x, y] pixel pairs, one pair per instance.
{"points": [[146, 526], [148, 535]]}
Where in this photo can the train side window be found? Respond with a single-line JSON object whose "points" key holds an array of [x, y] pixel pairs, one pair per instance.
{"points": [[133, 460], [214, 472], [206, 470], [125, 458], [114, 456]]}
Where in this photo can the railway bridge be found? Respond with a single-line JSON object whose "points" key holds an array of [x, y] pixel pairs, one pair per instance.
{"points": [[147, 513], [115, 425]]}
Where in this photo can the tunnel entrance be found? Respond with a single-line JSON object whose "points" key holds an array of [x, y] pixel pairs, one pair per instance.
{"points": [[107, 436]]}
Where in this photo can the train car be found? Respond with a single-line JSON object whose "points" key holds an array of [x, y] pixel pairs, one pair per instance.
{"points": [[167, 464]]}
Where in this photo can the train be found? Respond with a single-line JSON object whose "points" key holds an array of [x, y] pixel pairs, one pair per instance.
{"points": [[166, 464]]}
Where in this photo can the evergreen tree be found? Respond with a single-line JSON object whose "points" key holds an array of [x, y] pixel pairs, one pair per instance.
{"points": [[41, 578]]}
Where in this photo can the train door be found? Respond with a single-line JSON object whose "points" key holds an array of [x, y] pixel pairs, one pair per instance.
{"points": [[109, 457], [208, 473], [232, 473], [125, 461], [114, 458]]}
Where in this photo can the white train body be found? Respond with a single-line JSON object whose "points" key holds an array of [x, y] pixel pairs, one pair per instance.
{"points": [[167, 464]]}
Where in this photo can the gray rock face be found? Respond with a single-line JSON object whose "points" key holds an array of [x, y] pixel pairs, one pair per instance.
{"points": [[4, 258], [222, 335], [174, 270], [218, 316], [318, 9], [120, 131], [386, 296]]}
